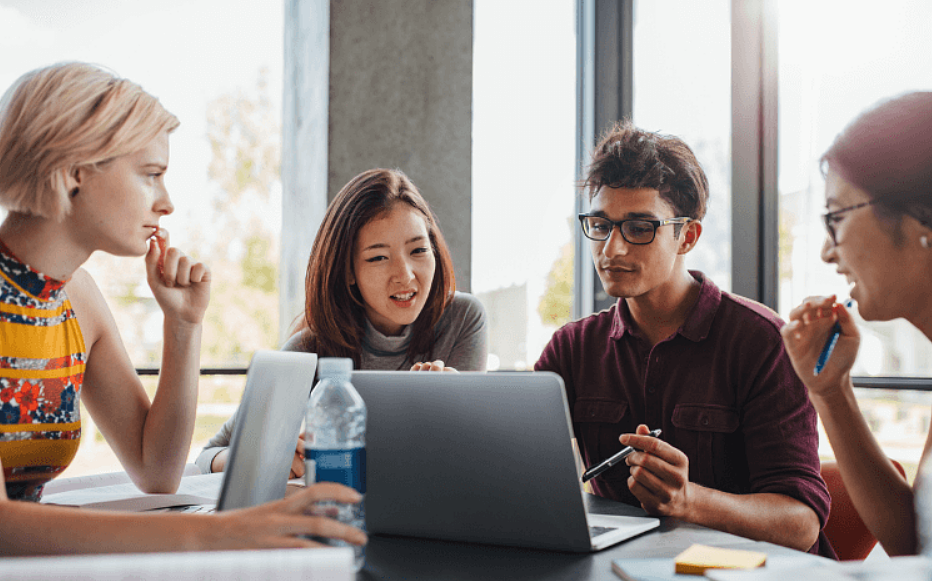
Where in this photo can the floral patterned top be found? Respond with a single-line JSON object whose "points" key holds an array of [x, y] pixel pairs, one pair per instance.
{"points": [[42, 357]]}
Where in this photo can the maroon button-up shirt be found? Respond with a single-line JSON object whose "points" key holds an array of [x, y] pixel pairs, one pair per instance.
{"points": [[721, 388]]}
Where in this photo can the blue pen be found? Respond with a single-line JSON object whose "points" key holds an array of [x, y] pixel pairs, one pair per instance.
{"points": [[830, 343]]}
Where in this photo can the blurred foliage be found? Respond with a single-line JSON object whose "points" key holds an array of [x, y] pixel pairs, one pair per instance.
{"points": [[785, 238], [212, 389], [206, 427], [258, 272], [556, 304], [129, 295], [244, 133]]}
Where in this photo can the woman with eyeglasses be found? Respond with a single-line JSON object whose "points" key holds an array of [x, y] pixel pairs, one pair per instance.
{"points": [[83, 155], [878, 193], [380, 290]]}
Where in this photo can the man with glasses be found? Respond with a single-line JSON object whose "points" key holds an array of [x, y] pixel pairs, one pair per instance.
{"points": [[738, 449]]}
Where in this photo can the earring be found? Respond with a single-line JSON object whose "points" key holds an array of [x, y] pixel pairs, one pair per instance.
{"points": [[74, 192], [924, 241]]}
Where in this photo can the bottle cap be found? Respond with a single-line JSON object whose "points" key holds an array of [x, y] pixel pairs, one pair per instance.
{"points": [[334, 367]]}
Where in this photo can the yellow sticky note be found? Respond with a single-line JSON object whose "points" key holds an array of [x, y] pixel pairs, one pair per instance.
{"points": [[697, 558]]}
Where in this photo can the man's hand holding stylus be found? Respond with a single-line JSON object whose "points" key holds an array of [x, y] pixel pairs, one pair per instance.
{"points": [[659, 474]]}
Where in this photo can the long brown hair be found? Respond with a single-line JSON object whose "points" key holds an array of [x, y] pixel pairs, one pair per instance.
{"points": [[334, 311]]}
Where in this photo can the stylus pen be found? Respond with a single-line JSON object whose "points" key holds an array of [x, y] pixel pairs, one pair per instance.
{"points": [[830, 343], [611, 461]]}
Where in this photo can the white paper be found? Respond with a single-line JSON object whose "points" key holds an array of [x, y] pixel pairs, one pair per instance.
{"points": [[896, 569], [328, 564], [106, 479], [197, 489]]}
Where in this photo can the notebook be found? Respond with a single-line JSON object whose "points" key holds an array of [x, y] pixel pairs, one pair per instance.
{"points": [[325, 564], [479, 457]]}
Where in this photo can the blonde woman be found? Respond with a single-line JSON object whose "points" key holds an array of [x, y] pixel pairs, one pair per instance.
{"points": [[83, 155]]}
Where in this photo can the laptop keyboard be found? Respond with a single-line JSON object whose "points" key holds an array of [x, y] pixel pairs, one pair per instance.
{"points": [[195, 508], [596, 531]]}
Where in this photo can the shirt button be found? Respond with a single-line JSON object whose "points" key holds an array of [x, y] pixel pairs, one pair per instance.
{"points": [[651, 389]]}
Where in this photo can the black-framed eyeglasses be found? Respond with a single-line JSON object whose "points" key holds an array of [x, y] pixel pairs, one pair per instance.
{"points": [[831, 218], [634, 231]]}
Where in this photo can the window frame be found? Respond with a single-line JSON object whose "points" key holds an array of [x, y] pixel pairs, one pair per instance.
{"points": [[604, 94]]}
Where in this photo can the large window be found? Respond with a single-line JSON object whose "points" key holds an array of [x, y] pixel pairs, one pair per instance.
{"points": [[216, 64], [831, 60], [835, 61], [682, 86], [523, 176]]}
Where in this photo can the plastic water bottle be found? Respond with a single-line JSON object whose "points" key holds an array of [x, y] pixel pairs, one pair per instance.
{"points": [[335, 442]]}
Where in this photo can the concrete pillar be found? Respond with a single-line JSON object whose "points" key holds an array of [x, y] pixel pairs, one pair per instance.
{"points": [[375, 83]]}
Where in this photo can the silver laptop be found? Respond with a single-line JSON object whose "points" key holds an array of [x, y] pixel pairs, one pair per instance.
{"points": [[268, 421], [479, 457]]}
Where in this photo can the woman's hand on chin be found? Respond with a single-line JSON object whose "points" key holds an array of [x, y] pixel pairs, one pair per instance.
{"points": [[431, 366], [180, 285]]}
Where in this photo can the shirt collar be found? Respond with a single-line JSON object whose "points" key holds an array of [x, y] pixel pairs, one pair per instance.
{"points": [[698, 320]]}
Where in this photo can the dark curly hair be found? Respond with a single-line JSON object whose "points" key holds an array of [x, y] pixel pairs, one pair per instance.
{"points": [[628, 157]]}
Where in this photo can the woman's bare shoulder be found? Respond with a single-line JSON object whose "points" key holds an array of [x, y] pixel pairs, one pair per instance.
{"points": [[88, 303]]}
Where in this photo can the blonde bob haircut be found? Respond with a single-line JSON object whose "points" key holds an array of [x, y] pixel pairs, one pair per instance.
{"points": [[67, 116]]}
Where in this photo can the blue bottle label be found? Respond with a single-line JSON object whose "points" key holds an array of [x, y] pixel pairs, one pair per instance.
{"points": [[344, 466]]}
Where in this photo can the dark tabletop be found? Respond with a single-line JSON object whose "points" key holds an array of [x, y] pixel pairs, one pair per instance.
{"points": [[411, 559]]}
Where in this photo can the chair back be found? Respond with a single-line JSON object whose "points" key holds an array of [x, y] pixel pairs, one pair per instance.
{"points": [[845, 530]]}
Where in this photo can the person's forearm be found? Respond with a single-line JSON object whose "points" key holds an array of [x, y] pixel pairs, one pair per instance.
{"points": [[213, 457], [219, 463], [170, 422], [882, 497], [28, 528], [775, 518]]}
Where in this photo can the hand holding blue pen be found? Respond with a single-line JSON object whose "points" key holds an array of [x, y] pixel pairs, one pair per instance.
{"points": [[830, 343], [612, 460]]}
